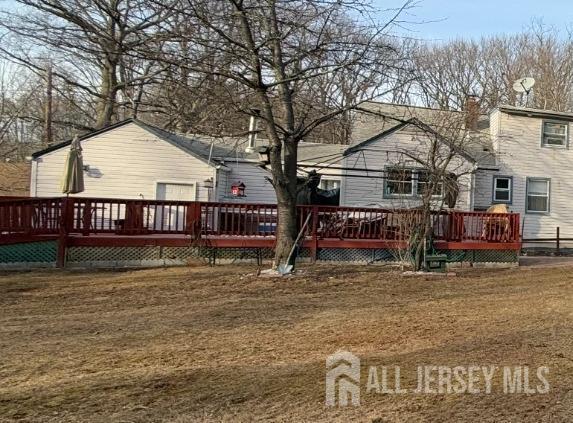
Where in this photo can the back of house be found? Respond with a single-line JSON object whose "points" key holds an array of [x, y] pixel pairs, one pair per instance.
{"points": [[531, 176], [136, 160], [514, 156], [519, 157]]}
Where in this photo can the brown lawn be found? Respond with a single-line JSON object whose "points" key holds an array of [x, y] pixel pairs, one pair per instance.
{"points": [[220, 344]]}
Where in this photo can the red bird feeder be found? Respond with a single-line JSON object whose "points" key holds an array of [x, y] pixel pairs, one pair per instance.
{"points": [[238, 190]]}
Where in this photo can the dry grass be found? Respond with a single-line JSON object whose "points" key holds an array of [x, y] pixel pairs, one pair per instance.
{"points": [[221, 344], [14, 179]]}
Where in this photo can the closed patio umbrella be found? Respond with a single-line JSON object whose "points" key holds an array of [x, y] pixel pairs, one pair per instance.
{"points": [[74, 174]]}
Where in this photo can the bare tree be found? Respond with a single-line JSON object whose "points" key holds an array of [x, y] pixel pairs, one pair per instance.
{"points": [[445, 168], [280, 57], [427, 171], [17, 90], [99, 40]]}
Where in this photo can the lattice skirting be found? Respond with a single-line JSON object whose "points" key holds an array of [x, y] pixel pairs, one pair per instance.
{"points": [[29, 254], [481, 256], [44, 253], [133, 256], [383, 255], [181, 255], [356, 255]]}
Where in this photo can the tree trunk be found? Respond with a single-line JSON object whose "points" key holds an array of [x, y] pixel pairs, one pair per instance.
{"points": [[108, 99], [287, 232], [424, 234], [419, 255], [286, 189], [48, 111]]}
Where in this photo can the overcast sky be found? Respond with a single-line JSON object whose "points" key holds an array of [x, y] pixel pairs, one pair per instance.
{"points": [[448, 19]]}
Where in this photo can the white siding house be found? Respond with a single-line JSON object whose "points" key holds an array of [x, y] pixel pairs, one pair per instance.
{"points": [[534, 157], [384, 139], [126, 160], [369, 187], [133, 159], [521, 158]]}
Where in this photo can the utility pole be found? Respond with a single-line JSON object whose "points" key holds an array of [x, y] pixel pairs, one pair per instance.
{"points": [[48, 111]]}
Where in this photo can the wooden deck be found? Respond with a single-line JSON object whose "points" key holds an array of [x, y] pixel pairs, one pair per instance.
{"points": [[121, 222]]}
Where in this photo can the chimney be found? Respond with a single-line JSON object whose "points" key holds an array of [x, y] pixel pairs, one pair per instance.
{"points": [[472, 112], [252, 132]]}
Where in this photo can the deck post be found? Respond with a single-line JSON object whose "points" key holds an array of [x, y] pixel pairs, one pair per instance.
{"points": [[193, 220], [66, 222], [557, 241], [27, 221], [314, 234], [452, 229]]}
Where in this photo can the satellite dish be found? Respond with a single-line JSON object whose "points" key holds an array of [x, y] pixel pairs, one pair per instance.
{"points": [[524, 85]]}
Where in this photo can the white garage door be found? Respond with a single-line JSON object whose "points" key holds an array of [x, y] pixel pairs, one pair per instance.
{"points": [[170, 217], [180, 192]]}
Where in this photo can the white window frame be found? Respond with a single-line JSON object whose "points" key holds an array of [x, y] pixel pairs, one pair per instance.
{"points": [[548, 195], [323, 179], [193, 183], [509, 189], [414, 173], [417, 183], [387, 179], [547, 135]]}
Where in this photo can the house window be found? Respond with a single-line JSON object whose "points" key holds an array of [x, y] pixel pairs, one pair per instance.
{"points": [[402, 182], [328, 184], [502, 186], [538, 192], [423, 179], [399, 182], [555, 134]]}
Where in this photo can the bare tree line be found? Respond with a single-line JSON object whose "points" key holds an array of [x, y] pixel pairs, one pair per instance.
{"points": [[487, 68], [113, 59]]}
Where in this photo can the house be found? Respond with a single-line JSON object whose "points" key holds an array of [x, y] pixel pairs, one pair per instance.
{"points": [[515, 156], [518, 156], [133, 159], [533, 156], [384, 165]]}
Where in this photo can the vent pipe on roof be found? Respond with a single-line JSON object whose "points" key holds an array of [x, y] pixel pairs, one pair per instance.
{"points": [[252, 132]]}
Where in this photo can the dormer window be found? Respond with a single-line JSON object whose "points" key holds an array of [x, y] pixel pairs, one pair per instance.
{"points": [[554, 134]]}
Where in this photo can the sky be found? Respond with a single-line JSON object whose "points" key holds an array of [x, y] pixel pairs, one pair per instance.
{"points": [[441, 20]]}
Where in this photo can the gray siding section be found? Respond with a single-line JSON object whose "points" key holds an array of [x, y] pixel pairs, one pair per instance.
{"points": [[369, 191], [483, 188], [258, 189]]}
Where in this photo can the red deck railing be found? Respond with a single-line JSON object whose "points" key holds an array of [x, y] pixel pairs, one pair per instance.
{"points": [[30, 216], [92, 216]]}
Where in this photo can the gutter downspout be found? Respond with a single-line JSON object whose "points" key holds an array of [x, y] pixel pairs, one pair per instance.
{"points": [[34, 178], [215, 189], [471, 199]]}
